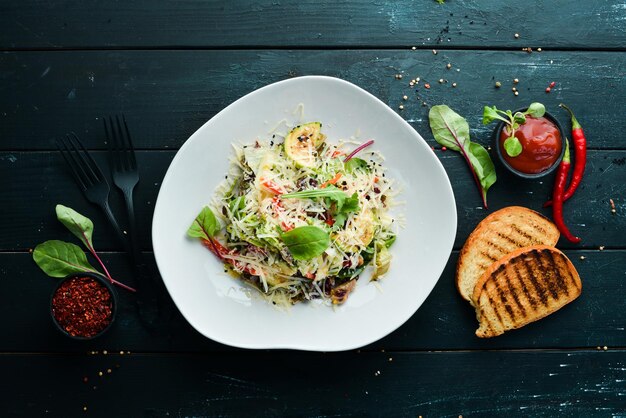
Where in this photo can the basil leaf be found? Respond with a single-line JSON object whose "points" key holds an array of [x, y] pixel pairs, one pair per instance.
{"points": [[60, 259], [512, 146], [306, 242], [355, 164], [452, 131], [449, 128], [205, 225], [79, 225], [490, 114], [536, 110]]}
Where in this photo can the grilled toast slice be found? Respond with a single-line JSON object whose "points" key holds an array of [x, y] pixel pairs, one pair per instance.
{"points": [[497, 235], [526, 285]]}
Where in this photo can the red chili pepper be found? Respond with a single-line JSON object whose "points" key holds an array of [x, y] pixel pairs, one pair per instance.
{"points": [[557, 196], [580, 156]]}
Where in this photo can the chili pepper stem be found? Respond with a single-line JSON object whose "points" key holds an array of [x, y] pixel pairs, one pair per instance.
{"points": [[575, 124]]}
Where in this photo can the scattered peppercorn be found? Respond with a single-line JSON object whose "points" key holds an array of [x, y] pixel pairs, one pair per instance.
{"points": [[427, 85], [448, 66], [444, 148], [498, 84]]}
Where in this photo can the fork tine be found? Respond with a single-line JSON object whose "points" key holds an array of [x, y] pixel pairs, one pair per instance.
{"points": [[63, 149], [111, 143], [133, 161], [87, 159], [74, 156], [122, 144]]}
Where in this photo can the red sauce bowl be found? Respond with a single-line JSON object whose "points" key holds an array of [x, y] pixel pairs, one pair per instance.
{"points": [[75, 303], [501, 157]]}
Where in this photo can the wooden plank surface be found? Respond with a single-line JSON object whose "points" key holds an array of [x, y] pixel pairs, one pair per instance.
{"points": [[307, 23], [278, 384], [444, 322], [30, 219], [167, 95]]}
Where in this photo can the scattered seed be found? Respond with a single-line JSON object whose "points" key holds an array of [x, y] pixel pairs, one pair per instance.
{"points": [[516, 35], [548, 89], [538, 49], [84, 408], [582, 257], [405, 97], [498, 84], [448, 66], [513, 89], [390, 359], [440, 80], [601, 248], [105, 352], [434, 52], [605, 348], [427, 85], [109, 370], [453, 84], [411, 83], [444, 148], [417, 79], [413, 48], [100, 373], [515, 80], [401, 107], [516, 93]]}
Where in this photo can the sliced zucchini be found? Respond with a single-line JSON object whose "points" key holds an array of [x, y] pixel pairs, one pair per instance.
{"points": [[350, 242], [382, 261], [301, 143]]}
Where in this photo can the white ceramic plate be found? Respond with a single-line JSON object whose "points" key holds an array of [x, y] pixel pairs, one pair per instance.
{"points": [[221, 307]]}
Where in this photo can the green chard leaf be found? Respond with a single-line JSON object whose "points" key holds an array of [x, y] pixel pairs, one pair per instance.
{"points": [[205, 225], [306, 242], [449, 128], [79, 225], [331, 192], [536, 110], [60, 259], [512, 146]]}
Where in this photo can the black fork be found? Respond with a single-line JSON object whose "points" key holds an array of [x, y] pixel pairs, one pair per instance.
{"points": [[124, 169], [89, 177]]}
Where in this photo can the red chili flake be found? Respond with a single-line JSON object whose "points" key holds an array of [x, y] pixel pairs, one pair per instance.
{"points": [[427, 85], [82, 306], [548, 89], [552, 84], [444, 148]]}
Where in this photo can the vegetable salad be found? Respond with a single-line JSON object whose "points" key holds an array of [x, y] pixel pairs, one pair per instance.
{"points": [[300, 220]]}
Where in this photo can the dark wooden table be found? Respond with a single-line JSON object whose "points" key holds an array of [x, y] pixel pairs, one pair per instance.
{"points": [[171, 66]]}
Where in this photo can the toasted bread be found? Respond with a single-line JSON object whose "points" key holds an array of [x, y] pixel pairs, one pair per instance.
{"points": [[526, 285], [497, 235]]}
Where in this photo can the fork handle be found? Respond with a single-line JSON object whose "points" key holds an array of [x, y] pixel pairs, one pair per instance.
{"points": [[116, 227]]}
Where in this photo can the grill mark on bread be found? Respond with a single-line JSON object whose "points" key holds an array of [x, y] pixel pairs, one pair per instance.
{"points": [[560, 281], [577, 284], [503, 297], [513, 291], [489, 256], [502, 250], [541, 292], [529, 296], [523, 233], [495, 310], [507, 238], [548, 272]]}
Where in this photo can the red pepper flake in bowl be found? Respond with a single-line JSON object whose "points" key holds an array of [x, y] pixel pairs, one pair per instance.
{"points": [[82, 307]]}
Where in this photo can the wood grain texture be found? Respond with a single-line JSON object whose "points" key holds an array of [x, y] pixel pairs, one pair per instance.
{"points": [[477, 384], [444, 322], [312, 23], [168, 95], [29, 211]]}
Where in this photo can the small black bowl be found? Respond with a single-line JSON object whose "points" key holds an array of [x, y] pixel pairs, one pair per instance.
{"points": [[496, 144], [106, 284]]}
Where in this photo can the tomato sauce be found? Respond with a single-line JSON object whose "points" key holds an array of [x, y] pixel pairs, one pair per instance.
{"points": [[541, 145]]}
